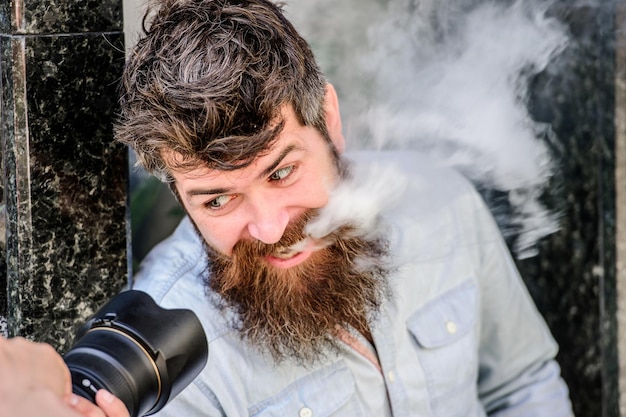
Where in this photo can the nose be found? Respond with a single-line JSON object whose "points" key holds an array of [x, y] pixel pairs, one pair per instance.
{"points": [[268, 223]]}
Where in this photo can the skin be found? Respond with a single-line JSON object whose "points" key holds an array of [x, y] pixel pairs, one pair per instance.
{"points": [[35, 381], [259, 201]]}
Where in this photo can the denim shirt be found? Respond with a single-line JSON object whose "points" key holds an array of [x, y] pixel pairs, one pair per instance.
{"points": [[460, 336]]}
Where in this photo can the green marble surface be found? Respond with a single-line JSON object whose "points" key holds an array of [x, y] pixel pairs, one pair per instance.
{"points": [[65, 181]]}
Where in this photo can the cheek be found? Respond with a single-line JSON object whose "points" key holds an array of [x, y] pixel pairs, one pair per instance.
{"points": [[220, 237], [315, 193]]}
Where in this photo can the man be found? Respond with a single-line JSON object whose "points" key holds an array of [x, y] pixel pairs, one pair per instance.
{"points": [[34, 381], [371, 284]]}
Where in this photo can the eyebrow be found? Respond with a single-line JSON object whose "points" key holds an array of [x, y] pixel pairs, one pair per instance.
{"points": [[278, 160], [267, 171]]}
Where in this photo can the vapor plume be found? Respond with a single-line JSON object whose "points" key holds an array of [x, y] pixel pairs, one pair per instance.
{"points": [[448, 78]]}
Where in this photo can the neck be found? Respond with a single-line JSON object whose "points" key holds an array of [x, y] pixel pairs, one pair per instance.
{"points": [[362, 327]]}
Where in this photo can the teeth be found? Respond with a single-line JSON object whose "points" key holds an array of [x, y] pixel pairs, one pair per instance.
{"points": [[285, 253]]}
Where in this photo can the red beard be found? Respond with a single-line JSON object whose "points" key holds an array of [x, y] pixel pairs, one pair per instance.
{"points": [[293, 313]]}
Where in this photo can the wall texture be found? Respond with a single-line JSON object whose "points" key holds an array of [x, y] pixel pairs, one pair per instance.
{"points": [[64, 183]]}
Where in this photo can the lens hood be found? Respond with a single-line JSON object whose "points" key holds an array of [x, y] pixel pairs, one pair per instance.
{"points": [[143, 354]]}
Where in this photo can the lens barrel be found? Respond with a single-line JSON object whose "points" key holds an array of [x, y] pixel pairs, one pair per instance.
{"points": [[143, 354]]}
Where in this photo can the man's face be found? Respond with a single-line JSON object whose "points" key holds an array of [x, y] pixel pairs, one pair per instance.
{"points": [[290, 291], [256, 203]]}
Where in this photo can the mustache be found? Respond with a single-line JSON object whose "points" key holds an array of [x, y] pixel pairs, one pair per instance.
{"points": [[293, 237]]}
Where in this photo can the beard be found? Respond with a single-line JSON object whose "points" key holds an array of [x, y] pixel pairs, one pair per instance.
{"points": [[295, 313]]}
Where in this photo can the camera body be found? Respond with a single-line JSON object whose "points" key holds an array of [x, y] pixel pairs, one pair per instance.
{"points": [[143, 354]]}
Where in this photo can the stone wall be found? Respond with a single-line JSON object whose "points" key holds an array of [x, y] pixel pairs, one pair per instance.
{"points": [[64, 184]]}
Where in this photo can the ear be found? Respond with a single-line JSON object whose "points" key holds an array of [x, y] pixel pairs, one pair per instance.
{"points": [[333, 118]]}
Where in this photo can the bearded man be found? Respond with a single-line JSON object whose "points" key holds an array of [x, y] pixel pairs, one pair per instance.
{"points": [[328, 284]]}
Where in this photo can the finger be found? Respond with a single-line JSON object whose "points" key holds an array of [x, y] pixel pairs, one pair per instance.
{"points": [[85, 407], [111, 405], [38, 402]]}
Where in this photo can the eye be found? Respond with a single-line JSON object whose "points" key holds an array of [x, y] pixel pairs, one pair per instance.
{"points": [[219, 202], [281, 174]]}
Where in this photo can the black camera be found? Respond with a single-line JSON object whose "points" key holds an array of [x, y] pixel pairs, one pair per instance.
{"points": [[143, 354]]}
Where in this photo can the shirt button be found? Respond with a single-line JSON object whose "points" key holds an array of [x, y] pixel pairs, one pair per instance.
{"points": [[451, 327], [305, 412], [390, 376]]}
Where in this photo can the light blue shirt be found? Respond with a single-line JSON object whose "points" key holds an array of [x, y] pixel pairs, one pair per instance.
{"points": [[460, 337]]}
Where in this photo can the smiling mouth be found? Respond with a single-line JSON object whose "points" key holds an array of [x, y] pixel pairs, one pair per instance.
{"points": [[285, 253], [289, 256]]}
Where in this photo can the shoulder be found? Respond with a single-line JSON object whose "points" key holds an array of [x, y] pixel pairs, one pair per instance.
{"points": [[435, 209], [177, 258], [427, 183], [419, 187]]}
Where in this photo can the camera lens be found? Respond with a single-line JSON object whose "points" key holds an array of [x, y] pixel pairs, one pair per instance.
{"points": [[110, 359], [141, 353]]}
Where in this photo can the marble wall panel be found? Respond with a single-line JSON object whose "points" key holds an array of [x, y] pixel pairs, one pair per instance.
{"points": [[573, 278], [5, 16], [65, 184], [12, 137], [60, 16], [6, 127]]}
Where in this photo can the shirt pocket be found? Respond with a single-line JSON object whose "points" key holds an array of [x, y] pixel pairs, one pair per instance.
{"points": [[328, 392], [444, 330]]}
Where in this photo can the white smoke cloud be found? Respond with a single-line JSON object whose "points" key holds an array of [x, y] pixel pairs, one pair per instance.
{"points": [[359, 200], [449, 78]]}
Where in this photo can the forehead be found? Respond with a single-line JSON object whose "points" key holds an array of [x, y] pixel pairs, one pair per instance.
{"points": [[233, 152], [262, 165], [293, 138]]}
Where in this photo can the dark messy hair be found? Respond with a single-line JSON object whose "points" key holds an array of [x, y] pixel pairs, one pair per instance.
{"points": [[207, 81]]}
